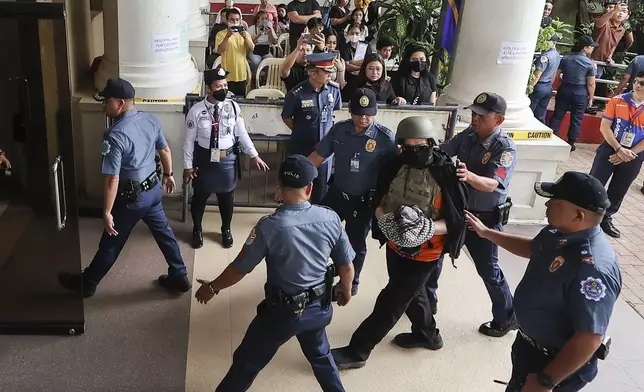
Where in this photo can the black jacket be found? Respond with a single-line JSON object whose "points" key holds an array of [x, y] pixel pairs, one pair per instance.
{"points": [[454, 199]]}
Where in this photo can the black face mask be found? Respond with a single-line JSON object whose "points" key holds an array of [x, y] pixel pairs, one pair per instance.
{"points": [[418, 66], [220, 95], [416, 156]]}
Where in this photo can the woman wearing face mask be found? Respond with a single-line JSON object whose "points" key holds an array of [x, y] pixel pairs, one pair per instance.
{"points": [[353, 55], [263, 36], [357, 17], [414, 82], [340, 66], [271, 12], [372, 76]]}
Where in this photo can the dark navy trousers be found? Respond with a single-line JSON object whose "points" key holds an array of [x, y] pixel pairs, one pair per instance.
{"points": [[573, 98], [623, 175], [270, 329], [539, 100], [149, 208], [485, 256], [358, 218], [526, 359]]}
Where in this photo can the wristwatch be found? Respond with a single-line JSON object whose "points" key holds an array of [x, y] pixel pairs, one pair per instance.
{"points": [[546, 381], [212, 290], [168, 174]]}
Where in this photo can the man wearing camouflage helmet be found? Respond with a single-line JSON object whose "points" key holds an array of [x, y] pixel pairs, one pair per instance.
{"points": [[419, 202]]}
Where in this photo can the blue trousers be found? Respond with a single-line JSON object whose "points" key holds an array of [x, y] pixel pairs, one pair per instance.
{"points": [[526, 360], [358, 218], [432, 282], [623, 176], [573, 98], [270, 329], [485, 255], [539, 100], [147, 207]]}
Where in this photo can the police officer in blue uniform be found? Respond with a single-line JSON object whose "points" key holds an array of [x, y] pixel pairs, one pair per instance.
{"points": [[215, 132], [132, 191], [308, 112], [566, 297], [361, 147], [577, 88], [546, 67], [297, 241], [486, 160]]}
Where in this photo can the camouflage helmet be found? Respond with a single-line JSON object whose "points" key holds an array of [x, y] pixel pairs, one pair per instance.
{"points": [[415, 127]]}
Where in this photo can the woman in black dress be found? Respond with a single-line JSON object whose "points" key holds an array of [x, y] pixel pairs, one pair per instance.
{"points": [[372, 76], [413, 81]]}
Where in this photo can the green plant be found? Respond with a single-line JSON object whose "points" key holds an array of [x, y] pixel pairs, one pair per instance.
{"points": [[636, 17], [585, 29], [410, 22]]}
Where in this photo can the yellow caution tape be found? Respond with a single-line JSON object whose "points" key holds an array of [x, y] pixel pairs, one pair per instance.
{"points": [[166, 100], [529, 135]]}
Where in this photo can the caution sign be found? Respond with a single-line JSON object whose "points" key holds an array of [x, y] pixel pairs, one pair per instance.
{"points": [[158, 100], [529, 135]]}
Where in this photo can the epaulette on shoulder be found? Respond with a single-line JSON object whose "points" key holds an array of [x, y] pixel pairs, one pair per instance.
{"points": [[391, 134], [297, 89]]}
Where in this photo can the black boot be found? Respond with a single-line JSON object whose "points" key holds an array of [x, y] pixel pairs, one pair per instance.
{"points": [[345, 358], [75, 283], [572, 145], [610, 229], [409, 340], [172, 283], [197, 238], [492, 329], [226, 238]]}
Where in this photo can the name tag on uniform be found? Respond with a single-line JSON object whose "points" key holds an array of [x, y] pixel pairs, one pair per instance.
{"points": [[355, 163], [215, 155], [324, 115], [627, 139], [307, 103]]}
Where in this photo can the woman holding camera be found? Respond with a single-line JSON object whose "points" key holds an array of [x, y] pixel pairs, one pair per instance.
{"points": [[263, 36]]}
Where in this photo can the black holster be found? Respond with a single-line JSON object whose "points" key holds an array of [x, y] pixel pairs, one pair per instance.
{"points": [[503, 211], [237, 151], [129, 191], [328, 285]]}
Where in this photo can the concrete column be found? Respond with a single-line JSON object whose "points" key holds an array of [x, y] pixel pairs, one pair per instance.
{"points": [[146, 42], [197, 29], [204, 5], [496, 57]]}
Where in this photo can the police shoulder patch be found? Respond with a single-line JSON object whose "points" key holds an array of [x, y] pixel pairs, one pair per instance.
{"points": [[251, 236], [105, 149], [593, 289], [190, 124], [544, 59], [507, 158]]}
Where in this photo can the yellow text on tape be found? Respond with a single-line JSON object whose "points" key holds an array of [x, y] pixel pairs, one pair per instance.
{"points": [[529, 135]]}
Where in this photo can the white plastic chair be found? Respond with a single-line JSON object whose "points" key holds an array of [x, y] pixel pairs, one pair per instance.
{"points": [[269, 93], [283, 40], [273, 79]]}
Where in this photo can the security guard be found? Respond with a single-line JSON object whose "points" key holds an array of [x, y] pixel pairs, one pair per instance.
{"points": [[566, 297], [361, 147], [621, 155], [486, 160], [546, 67], [214, 132], [132, 191], [297, 241], [308, 112], [577, 88]]}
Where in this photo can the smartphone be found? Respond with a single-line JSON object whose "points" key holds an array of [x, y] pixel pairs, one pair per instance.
{"points": [[237, 29], [308, 38]]}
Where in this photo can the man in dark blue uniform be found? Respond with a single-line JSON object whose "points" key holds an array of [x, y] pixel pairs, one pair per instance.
{"points": [[132, 191], [546, 67], [361, 147], [308, 112], [566, 297], [486, 160], [297, 241], [577, 88]]}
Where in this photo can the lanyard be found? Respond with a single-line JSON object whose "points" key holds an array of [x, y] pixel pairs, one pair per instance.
{"points": [[214, 131]]}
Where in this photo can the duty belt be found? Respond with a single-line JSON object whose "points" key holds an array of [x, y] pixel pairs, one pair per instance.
{"points": [[295, 304], [150, 182], [358, 199], [490, 217], [222, 153], [546, 350]]}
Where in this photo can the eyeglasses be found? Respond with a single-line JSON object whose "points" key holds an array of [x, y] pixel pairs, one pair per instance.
{"points": [[639, 83]]}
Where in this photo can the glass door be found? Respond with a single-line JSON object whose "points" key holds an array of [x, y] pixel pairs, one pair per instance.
{"points": [[39, 234]]}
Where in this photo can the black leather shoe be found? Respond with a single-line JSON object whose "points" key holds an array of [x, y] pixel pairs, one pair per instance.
{"points": [[197, 239], [572, 146], [409, 340], [345, 358], [494, 330], [642, 190], [178, 283], [75, 283], [226, 238], [610, 229]]}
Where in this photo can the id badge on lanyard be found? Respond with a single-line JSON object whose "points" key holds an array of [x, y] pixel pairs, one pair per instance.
{"points": [[355, 163], [215, 154], [628, 137]]}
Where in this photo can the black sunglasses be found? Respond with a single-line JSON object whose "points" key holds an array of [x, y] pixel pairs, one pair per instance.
{"points": [[415, 147]]}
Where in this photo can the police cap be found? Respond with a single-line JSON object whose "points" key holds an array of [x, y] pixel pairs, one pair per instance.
{"points": [[116, 88], [587, 40], [415, 127], [580, 189], [486, 103], [363, 102], [297, 172], [323, 61], [211, 75]]}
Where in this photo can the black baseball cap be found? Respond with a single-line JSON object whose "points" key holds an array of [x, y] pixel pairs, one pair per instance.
{"points": [[211, 75], [363, 102], [580, 189], [115, 88], [587, 40], [297, 172], [486, 103]]}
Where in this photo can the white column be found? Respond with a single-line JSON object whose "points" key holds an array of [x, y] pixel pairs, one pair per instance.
{"points": [[146, 43], [494, 53], [204, 5], [197, 29]]}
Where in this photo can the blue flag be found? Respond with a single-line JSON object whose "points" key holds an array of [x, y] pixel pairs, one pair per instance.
{"points": [[449, 27]]}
